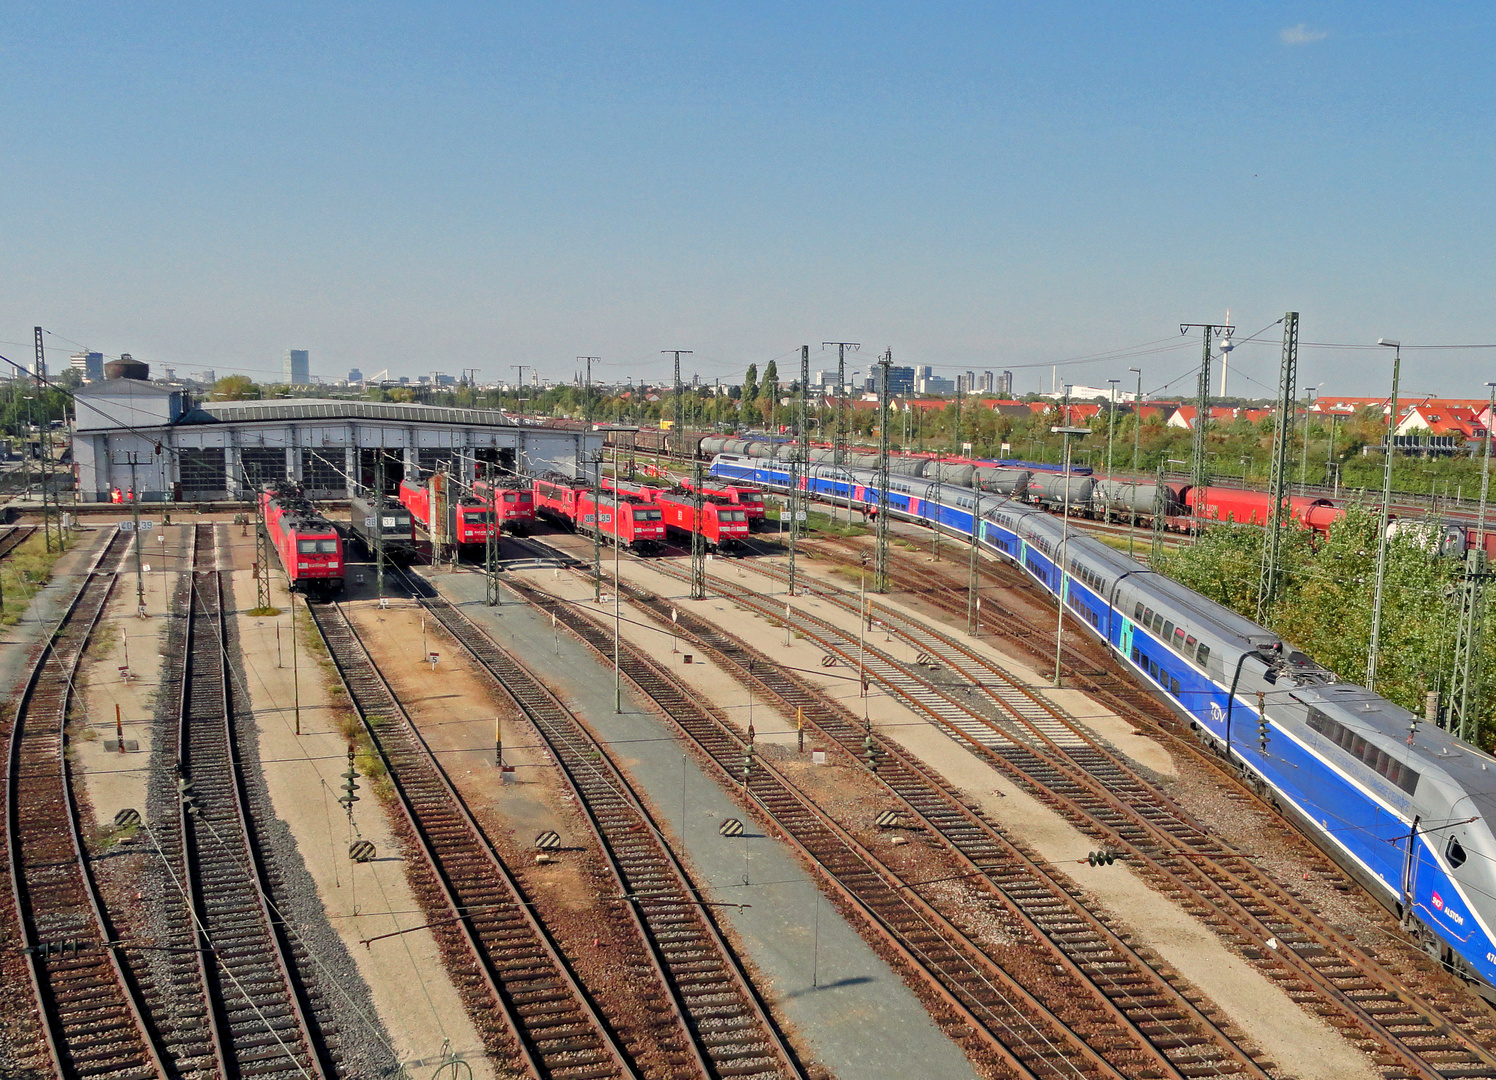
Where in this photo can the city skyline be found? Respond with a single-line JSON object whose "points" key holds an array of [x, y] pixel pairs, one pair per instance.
{"points": [[974, 188]]}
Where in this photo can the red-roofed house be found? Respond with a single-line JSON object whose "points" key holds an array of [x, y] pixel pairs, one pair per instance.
{"points": [[1460, 421], [1184, 416]]}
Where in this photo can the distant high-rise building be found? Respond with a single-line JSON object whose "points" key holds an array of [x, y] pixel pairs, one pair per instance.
{"points": [[1005, 384], [208, 377], [900, 380], [988, 382], [355, 375], [90, 365], [297, 368]]}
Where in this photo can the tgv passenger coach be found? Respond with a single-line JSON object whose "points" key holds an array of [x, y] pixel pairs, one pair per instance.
{"points": [[1404, 807]]}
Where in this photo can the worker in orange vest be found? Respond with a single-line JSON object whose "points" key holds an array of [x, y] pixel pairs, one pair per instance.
{"points": [[116, 495]]}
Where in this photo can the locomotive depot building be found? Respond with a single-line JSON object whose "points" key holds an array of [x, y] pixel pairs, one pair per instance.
{"points": [[215, 450]]}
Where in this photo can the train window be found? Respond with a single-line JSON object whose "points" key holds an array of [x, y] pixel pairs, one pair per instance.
{"points": [[306, 547], [1202, 656], [1148, 618], [1396, 771], [1137, 612], [327, 547], [510, 496], [1189, 645], [1168, 630], [1174, 687], [1455, 853]]}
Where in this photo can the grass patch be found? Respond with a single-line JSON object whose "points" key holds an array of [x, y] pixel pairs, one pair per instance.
{"points": [[22, 575], [263, 612]]}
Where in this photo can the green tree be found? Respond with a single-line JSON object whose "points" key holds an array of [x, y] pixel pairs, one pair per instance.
{"points": [[748, 402], [770, 403], [1324, 600], [235, 388]]}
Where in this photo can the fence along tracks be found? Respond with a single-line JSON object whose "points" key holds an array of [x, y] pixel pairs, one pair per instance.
{"points": [[546, 1024], [729, 1025], [92, 1018], [1064, 765]]}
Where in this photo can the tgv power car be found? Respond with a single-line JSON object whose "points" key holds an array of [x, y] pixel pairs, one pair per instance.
{"points": [[1404, 807]]}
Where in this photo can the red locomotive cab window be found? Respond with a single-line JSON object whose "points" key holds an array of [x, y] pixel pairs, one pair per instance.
{"points": [[306, 547], [511, 497]]}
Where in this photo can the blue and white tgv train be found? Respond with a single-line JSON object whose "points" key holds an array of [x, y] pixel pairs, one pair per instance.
{"points": [[1410, 820]]}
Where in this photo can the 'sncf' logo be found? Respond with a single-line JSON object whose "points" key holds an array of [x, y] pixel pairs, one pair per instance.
{"points": [[1438, 901]]}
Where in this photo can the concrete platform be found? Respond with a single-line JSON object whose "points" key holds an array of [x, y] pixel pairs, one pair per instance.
{"points": [[856, 1014], [1303, 1044]]}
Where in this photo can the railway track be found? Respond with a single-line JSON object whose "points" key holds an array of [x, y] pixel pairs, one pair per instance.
{"points": [[257, 1017], [1097, 959], [92, 1017], [1091, 785], [14, 537], [729, 1026], [985, 1008], [531, 1009]]}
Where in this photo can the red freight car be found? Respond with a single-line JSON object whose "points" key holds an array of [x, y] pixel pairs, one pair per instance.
{"points": [[469, 521], [513, 503], [637, 525], [1251, 507], [309, 547], [723, 525]]}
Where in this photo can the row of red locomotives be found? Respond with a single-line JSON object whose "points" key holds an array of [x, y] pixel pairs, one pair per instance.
{"points": [[723, 524], [471, 518], [309, 547], [623, 518]]}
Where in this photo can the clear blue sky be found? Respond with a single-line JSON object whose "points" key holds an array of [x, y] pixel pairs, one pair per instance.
{"points": [[433, 186]]}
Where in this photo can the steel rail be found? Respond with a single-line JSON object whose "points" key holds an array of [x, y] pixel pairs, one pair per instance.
{"points": [[259, 1006], [555, 1027], [92, 1017], [666, 903], [1228, 887], [1047, 907], [1014, 1025]]}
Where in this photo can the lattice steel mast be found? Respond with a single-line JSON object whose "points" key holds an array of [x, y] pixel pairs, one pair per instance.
{"points": [[1464, 689], [880, 530], [799, 467], [843, 407], [1272, 544], [1199, 471]]}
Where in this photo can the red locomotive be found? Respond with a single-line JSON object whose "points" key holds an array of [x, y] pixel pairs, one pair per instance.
{"points": [[309, 547], [750, 499], [513, 503], [642, 492], [637, 525], [723, 525], [469, 520]]}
